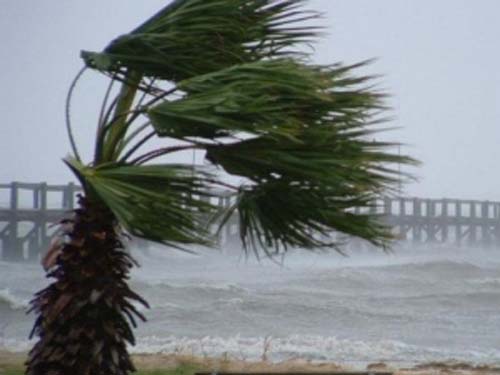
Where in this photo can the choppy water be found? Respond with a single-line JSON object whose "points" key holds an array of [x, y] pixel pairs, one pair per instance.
{"points": [[411, 306]]}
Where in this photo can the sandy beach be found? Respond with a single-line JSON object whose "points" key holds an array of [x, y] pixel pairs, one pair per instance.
{"points": [[159, 361]]}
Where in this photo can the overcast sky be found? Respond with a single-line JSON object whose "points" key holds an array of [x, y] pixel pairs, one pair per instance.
{"points": [[439, 60]]}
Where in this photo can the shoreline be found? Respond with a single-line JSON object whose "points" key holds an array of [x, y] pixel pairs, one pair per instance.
{"points": [[160, 361]]}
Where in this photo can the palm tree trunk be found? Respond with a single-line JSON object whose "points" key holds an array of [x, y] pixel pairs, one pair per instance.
{"points": [[85, 316]]}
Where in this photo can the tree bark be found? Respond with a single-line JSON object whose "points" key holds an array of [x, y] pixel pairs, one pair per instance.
{"points": [[85, 316]]}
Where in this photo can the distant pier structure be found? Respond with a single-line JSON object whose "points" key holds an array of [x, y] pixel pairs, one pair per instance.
{"points": [[28, 213]]}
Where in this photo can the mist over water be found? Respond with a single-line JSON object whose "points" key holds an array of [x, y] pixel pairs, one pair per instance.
{"points": [[413, 305]]}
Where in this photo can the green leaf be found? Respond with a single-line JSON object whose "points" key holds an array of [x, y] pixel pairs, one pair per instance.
{"points": [[192, 37], [309, 187], [163, 203], [280, 97], [283, 214]]}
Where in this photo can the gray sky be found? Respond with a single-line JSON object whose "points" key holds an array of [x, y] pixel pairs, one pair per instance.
{"points": [[440, 61]]}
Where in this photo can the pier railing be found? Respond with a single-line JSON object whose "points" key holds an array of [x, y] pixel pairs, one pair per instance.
{"points": [[28, 212]]}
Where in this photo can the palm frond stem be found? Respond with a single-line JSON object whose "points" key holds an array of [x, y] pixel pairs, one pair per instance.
{"points": [[146, 92], [104, 113], [139, 110], [162, 96], [68, 112], [134, 114], [130, 137], [119, 123], [105, 103], [102, 131], [138, 107], [101, 141], [223, 184], [126, 80], [163, 151], [137, 146], [147, 89]]}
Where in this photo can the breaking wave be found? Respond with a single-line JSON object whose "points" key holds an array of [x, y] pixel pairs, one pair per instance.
{"points": [[312, 348], [13, 302]]}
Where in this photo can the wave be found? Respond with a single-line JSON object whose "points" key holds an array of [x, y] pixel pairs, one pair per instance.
{"points": [[14, 302], [311, 348], [191, 285], [488, 281], [296, 347]]}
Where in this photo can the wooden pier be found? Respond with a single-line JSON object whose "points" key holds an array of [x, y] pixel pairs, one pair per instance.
{"points": [[456, 222], [28, 212], [27, 215]]}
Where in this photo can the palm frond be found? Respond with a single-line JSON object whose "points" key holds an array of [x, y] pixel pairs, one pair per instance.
{"points": [[164, 203], [280, 214], [192, 37], [332, 160], [301, 190], [311, 158], [280, 97]]}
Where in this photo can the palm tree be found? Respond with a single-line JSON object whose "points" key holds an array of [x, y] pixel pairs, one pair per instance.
{"points": [[229, 78]]}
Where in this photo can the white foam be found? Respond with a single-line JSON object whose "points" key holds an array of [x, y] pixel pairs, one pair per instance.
{"points": [[295, 347], [14, 302], [229, 286], [312, 348]]}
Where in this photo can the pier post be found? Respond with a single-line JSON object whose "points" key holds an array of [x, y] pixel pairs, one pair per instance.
{"points": [[12, 246], [458, 224], [472, 225], [69, 196], [417, 225], [485, 224], [430, 210], [444, 220], [402, 214], [496, 225], [387, 206], [36, 197], [42, 223]]}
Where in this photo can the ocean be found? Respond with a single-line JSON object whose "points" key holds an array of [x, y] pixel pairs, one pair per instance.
{"points": [[410, 306]]}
